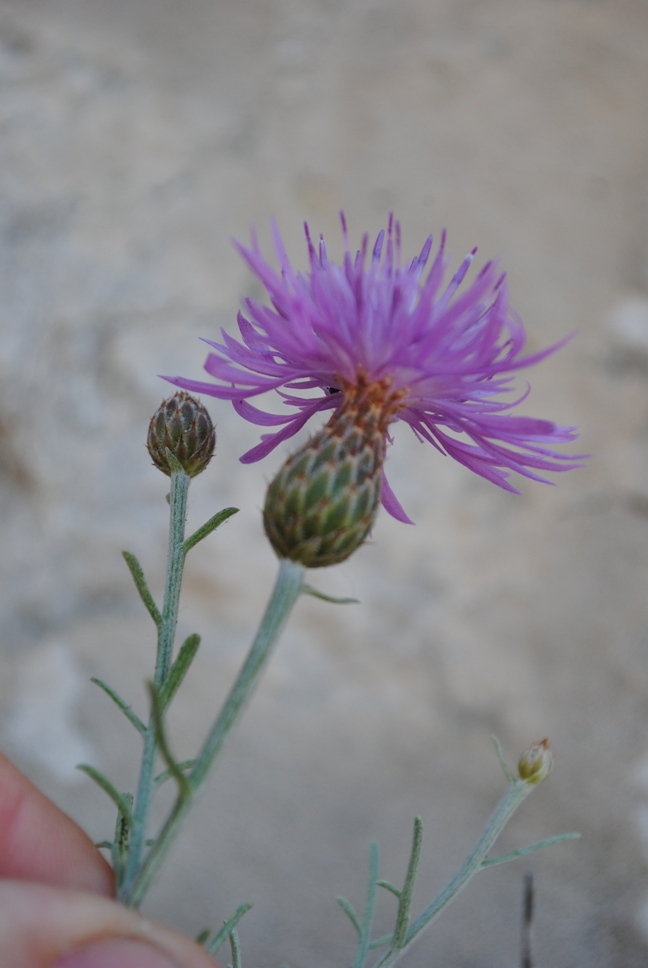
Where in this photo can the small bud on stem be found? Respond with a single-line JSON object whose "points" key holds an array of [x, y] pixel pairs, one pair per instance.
{"points": [[536, 763], [182, 426]]}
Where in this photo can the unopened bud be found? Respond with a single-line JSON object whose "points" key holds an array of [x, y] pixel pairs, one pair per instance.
{"points": [[536, 763], [321, 505], [182, 426]]}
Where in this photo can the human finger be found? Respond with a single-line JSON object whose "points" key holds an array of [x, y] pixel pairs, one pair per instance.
{"points": [[49, 927], [38, 842]]}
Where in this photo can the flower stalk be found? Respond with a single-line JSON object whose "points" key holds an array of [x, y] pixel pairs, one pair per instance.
{"points": [[515, 794], [166, 627], [406, 931], [288, 586], [178, 494]]}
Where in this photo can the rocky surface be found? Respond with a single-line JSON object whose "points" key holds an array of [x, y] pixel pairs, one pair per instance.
{"points": [[137, 137]]}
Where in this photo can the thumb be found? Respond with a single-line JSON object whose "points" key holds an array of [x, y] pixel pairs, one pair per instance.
{"points": [[51, 927]]}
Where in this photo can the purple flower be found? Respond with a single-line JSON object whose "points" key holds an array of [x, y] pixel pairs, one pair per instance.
{"points": [[441, 359]]}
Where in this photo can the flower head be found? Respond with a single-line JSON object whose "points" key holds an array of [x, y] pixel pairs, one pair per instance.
{"points": [[441, 358]]}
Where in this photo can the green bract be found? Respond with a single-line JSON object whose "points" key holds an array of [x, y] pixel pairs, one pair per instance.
{"points": [[322, 504]]}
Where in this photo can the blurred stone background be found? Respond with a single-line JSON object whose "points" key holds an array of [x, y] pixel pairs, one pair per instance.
{"points": [[136, 138]]}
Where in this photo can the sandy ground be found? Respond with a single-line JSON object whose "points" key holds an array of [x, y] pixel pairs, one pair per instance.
{"points": [[137, 137]]}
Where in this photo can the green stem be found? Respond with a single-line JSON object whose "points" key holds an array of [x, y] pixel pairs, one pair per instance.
{"points": [[287, 588], [515, 793], [370, 906], [180, 482], [175, 564]]}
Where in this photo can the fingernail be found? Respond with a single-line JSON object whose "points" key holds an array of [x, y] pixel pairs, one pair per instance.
{"points": [[113, 952]]}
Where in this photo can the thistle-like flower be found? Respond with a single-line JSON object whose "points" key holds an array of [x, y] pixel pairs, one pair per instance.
{"points": [[374, 333]]}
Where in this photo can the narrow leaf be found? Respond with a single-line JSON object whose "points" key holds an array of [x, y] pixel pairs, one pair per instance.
{"points": [[350, 913], [500, 756], [119, 799], [505, 858], [379, 942], [121, 841], [403, 916], [125, 708], [121, 827], [140, 583], [389, 887], [207, 528], [309, 590], [179, 670], [167, 774], [228, 926], [174, 463], [160, 734], [235, 945], [202, 937], [104, 844]]}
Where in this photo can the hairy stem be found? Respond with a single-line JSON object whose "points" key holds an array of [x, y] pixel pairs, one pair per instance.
{"points": [[287, 588], [180, 482], [516, 792]]}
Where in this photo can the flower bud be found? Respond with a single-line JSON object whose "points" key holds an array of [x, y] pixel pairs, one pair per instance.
{"points": [[536, 763], [321, 505], [182, 426]]}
